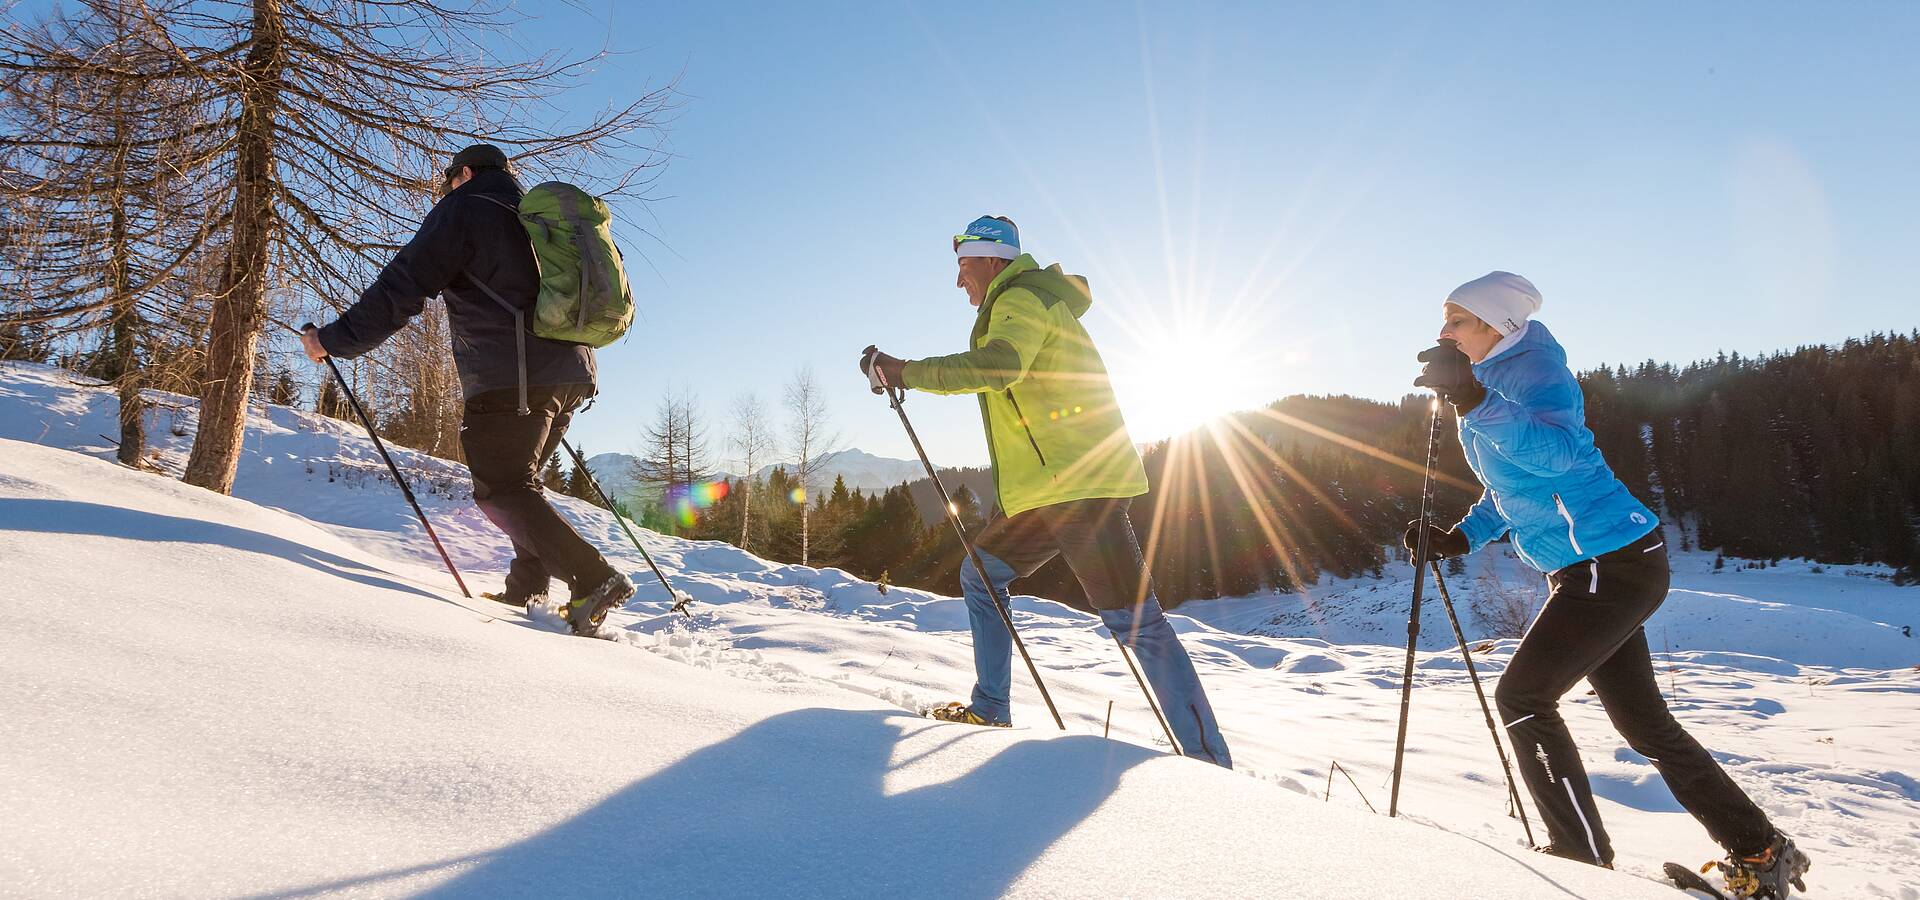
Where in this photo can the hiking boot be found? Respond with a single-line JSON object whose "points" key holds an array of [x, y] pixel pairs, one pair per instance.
{"points": [[961, 713], [1768, 874], [586, 613]]}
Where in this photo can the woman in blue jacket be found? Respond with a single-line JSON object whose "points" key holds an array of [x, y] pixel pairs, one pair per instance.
{"points": [[1523, 428]]}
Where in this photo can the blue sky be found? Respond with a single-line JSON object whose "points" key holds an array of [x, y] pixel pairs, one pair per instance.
{"points": [[1267, 199]]}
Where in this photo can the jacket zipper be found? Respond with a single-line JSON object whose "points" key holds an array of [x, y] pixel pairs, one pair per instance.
{"points": [[1569, 517], [1027, 428]]}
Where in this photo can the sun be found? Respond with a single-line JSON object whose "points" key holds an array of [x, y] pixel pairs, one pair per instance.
{"points": [[1187, 373]]}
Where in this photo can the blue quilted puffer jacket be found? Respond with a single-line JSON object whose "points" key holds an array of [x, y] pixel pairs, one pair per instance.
{"points": [[1545, 481]]}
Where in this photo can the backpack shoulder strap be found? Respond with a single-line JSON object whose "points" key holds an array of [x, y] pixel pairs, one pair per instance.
{"points": [[519, 315], [500, 203], [519, 331]]}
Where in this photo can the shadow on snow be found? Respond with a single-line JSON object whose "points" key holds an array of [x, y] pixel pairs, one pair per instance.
{"points": [[798, 805]]}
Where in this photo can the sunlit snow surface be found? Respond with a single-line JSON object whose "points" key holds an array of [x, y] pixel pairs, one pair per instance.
{"points": [[283, 694]]}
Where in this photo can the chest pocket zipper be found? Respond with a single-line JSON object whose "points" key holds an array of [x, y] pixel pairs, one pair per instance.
{"points": [[1569, 517]]}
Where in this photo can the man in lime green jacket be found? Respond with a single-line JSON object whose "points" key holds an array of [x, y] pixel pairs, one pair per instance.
{"points": [[1064, 470]]}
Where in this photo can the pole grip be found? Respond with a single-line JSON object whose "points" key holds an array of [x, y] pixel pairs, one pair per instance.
{"points": [[303, 331], [875, 378]]}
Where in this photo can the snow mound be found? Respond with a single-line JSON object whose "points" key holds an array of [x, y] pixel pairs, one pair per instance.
{"points": [[208, 698]]}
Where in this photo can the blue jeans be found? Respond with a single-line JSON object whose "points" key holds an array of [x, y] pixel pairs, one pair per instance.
{"points": [[1097, 540]]}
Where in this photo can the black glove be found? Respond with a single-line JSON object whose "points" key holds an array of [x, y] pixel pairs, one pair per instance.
{"points": [[1450, 374], [882, 371], [1441, 543]]}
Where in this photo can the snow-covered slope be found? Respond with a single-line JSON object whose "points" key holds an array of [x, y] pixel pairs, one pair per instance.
{"points": [[212, 697], [1844, 616]]}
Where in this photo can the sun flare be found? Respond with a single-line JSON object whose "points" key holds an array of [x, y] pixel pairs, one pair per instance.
{"points": [[1186, 375]]}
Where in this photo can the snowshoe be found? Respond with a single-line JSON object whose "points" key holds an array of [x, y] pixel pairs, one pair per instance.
{"points": [[1690, 881], [586, 613], [960, 713], [518, 601], [1766, 876]]}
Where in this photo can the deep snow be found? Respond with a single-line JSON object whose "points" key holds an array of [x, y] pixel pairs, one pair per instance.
{"points": [[212, 697]]}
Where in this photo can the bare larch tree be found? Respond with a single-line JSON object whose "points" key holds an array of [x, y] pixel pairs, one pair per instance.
{"points": [[811, 441], [751, 437], [332, 118], [103, 227]]}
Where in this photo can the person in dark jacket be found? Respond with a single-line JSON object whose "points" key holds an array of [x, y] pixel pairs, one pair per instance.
{"points": [[520, 390], [1524, 431]]}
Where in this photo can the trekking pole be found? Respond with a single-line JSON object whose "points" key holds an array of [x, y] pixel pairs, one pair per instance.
{"points": [[397, 477], [680, 600], [896, 398], [1151, 703], [1413, 617], [1513, 791]]}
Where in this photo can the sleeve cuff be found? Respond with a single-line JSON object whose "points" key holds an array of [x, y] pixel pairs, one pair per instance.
{"points": [[329, 337], [1477, 534]]}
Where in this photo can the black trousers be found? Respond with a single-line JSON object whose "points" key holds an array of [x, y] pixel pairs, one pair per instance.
{"points": [[504, 453], [1095, 536], [1591, 627]]}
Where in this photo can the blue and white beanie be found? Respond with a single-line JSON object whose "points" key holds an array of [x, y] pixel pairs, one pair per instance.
{"points": [[988, 236]]}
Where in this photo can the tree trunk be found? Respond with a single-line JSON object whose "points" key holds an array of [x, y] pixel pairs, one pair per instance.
{"points": [[746, 505], [126, 361], [240, 310]]}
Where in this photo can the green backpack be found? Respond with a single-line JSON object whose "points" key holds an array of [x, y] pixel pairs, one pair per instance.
{"points": [[584, 296]]}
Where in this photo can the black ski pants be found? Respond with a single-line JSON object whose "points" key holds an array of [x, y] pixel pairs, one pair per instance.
{"points": [[1096, 537], [504, 452], [1591, 627]]}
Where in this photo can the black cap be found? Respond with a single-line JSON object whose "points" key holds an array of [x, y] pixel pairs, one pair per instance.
{"points": [[479, 156]]}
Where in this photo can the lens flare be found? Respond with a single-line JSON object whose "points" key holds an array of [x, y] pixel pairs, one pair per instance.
{"points": [[685, 502]]}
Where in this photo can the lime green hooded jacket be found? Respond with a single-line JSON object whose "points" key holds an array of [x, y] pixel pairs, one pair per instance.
{"points": [[1053, 429]]}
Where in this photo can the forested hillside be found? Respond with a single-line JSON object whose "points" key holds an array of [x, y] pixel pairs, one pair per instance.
{"points": [[1810, 453]]}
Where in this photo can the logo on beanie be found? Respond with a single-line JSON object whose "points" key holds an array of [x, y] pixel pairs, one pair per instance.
{"points": [[988, 236]]}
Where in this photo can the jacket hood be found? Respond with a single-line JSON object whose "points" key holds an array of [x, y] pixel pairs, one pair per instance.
{"points": [[1052, 284], [1536, 339]]}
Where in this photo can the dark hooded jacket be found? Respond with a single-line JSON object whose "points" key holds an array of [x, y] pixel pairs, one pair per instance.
{"points": [[467, 235]]}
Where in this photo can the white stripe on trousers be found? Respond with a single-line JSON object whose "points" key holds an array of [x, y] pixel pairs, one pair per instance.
{"points": [[1583, 821]]}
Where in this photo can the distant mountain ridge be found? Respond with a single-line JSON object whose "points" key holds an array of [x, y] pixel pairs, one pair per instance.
{"points": [[863, 471], [614, 471]]}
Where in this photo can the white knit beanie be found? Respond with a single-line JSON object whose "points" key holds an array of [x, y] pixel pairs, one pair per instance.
{"points": [[1501, 299]]}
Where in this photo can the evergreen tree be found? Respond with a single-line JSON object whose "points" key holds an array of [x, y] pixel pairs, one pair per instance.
{"points": [[1810, 453], [578, 486]]}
